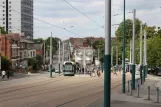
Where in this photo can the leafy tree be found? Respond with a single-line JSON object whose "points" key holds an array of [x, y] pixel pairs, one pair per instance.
{"points": [[88, 42], [151, 31], [5, 63], [3, 30], [129, 29], [54, 44]]}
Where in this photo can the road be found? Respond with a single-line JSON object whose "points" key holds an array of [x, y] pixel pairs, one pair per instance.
{"points": [[57, 92]]}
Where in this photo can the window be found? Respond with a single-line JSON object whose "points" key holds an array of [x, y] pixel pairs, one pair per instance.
{"points": [[9, 6], [9, 18], [9, 10], [3, 10], [3, 14], [3, 6], [3, 2], [9, 14], [31, 53], [10, 30], [9, 22], [3, 22], [10, 2], [3, 18], [34, 53]]}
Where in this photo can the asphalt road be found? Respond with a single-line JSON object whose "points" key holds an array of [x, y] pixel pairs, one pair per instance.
{"points": [[56, 92]]}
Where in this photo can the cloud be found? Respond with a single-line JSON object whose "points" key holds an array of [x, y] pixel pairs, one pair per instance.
{"points": [[59, 13]]}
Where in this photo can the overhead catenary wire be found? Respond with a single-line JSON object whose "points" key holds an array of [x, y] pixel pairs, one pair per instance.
{"points": [[47, 22], [83, 14]]}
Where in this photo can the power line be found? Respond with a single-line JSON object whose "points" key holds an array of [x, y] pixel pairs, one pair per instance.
{"points": [[47, 23], [83, 14]]}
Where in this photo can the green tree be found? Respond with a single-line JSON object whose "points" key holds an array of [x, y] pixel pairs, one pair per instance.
{"points": [[151, 31], [3, 30], [54, 44], [88, 42], [5, 63], [129, 29]]}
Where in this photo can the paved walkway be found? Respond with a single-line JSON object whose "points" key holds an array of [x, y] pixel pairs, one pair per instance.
{"points": [[128, 100]]}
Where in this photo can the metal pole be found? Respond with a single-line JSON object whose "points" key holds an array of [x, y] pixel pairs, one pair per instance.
{"points": [[112, 57], [141, 54], [130, 51], [107, 57], [116, 58], [124, 37], [148, 92], [84, 61], [133, 53], [63, 54], [145, 63], [145, 53], [6, 15], [59, 58], [0, 49], [44, 54], [157, 94], [138, 90], [51, 55]]}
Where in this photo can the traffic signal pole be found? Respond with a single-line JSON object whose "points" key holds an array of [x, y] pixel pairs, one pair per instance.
{"points": [[107, 57]]}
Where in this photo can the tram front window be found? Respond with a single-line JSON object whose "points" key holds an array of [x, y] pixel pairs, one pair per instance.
{"points": [[68, 67]]}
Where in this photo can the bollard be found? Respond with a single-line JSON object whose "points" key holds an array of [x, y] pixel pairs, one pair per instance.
{"points": [[157, 93], [128, 86], [138, 89], [148, 92], [131, 89]]}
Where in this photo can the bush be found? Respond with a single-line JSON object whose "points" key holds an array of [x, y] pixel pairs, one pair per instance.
{"points": [[6, 63]]}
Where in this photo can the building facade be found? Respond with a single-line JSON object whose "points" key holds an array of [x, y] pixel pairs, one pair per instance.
{"points": [[18, 50], [20, 16]]}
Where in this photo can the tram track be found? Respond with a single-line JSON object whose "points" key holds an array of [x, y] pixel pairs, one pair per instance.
{"points": [[52, 90], [30, 86], [73, 94]]}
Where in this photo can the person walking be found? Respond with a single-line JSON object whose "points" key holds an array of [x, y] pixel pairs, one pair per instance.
{"points": [[114, 71], [3, 74]]}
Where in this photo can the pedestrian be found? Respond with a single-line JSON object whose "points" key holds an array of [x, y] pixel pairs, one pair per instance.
{"points": [[8, 74], [114, 71], [3, 74]]}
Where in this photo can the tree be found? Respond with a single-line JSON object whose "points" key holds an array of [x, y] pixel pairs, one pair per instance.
{"points": [[3, 31], [129, 29], [5, 63], [151, 31], [54, 44], [88, 42]]}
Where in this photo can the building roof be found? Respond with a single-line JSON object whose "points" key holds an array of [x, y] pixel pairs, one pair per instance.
{"points": [[38, 46], [25, 41], [14, 36]]}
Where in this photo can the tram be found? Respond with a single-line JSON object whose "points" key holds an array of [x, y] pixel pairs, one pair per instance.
{"points": [[69, 68]]}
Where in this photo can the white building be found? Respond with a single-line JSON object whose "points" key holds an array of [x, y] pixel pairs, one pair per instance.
{"points": [[20, 16]]}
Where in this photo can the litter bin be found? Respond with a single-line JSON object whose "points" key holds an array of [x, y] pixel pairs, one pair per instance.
{"points": [[11, 73]]}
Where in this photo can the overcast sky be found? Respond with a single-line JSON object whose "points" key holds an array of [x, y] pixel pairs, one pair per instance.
{"points": [[59, 13]]}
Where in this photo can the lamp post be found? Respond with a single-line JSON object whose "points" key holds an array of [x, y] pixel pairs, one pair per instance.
{"points": [[59, 58], [107, 57]]}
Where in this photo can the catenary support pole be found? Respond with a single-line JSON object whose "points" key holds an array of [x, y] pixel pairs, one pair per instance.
{"points": [[133, 52], [123, 60], [145, 62], [59, 58], [44, 54], [0, 49], [107, 57], [51, 55], [141, 54]]}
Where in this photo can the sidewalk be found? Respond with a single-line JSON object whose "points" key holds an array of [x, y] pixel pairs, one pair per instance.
{"points": [[126, 100]]}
